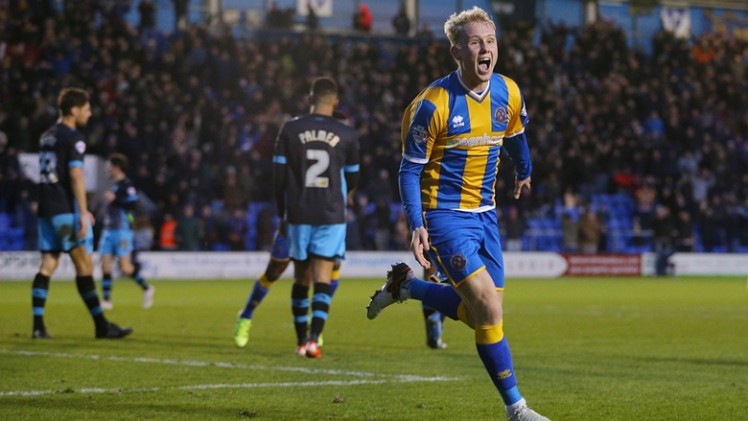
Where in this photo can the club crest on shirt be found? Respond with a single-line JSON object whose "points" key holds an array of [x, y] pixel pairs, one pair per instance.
{"points": [[80, 146], [500, 115], [419, 133], [458, 261]]}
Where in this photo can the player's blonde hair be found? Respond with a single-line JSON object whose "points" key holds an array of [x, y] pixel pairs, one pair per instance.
{"points": [[453, 25]]}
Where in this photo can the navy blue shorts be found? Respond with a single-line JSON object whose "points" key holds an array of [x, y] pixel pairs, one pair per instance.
{"points": [[464, 243]]}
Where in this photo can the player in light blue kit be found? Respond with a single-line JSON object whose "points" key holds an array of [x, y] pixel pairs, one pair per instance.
{"points": [[117, 236], [65, 224]]}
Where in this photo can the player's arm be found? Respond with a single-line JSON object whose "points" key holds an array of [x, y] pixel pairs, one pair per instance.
{"points": [[280, 162], [516, 145], [78, 184], [420, 127], [127, 198], [519, 152], [352, 167], [409, 181]]}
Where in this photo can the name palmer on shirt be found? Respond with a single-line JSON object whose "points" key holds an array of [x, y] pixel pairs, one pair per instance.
{"points": [[331, 138]]}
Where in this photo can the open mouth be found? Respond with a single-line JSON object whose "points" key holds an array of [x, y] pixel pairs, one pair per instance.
{"points": [[484, 64]]}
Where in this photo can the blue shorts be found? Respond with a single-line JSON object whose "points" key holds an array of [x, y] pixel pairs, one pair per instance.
{"points": [[320, 241], [279, 250], [464, 243], [117, 243], [59, 234]]}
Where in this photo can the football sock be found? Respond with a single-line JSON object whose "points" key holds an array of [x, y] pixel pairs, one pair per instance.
{"points": [[39, 293], [255, 298], [320, 308], [334, 281], [333, 286], [87, 291], [300, 310], [106, 286], [140, 280], [440, 297], [493, 350], [434, 322]]}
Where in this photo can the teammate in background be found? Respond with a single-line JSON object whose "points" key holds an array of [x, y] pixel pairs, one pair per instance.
{"points": [[452, 134], [279, 261], [117, 235], [64, 220], [316, 165], [433, 319]]}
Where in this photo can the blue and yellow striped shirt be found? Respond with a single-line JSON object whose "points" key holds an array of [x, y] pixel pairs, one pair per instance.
{"points": [[457, 135]]}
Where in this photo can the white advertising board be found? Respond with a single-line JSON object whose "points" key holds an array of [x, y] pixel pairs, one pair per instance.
{"points": [[249, 265], [710, 264]]}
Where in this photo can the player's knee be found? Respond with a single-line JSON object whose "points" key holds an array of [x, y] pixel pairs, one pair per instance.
{"points": [[127, 268], [275, 269], [489, 334], [463, 315], [48, 265]]}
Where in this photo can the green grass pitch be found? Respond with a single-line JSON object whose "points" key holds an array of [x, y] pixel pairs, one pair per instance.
{"points": [[584, 349]]}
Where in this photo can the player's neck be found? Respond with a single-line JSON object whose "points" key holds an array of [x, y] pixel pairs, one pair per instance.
{"points": [[474, 84], [321, 110], [68, 121]]}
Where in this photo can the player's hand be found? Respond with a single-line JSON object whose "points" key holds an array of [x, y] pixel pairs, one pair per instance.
{"points": [[520, 185], [83, 230], [419, 243], [109, 196]]}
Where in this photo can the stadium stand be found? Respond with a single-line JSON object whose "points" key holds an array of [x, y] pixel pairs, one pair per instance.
{"points": [[184, 105]]}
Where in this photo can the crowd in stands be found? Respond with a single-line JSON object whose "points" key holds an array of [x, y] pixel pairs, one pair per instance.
{"points": [[662, 136]]}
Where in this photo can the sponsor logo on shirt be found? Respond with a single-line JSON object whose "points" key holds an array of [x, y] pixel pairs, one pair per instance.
{"points": [[484, 140]]}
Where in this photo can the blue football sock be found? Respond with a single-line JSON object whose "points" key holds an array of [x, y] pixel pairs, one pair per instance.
{"points": [[440, 297], [497, 360], [255, 298], [321, 300], [106, 286]]}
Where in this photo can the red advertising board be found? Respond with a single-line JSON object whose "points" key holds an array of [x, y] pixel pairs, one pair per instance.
{"points": [[603, 264]]}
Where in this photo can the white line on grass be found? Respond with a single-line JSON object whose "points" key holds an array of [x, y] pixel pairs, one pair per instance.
{"points": [[221, 364], [98, 390], [192, 363]]}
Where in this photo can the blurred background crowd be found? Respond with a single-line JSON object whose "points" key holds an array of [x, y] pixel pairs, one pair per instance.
{"points": [[632, 151]]}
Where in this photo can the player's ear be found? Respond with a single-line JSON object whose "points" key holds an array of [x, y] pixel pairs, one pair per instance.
{"points": [[455, 51]]}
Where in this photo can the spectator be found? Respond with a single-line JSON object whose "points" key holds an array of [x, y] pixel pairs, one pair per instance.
{"points": [[237, 229], [167, 234], [515, 226], [188, 232], [143, 233], [401, 22], [362, 19], [590, 230], [147, 11], [569, 233], [180, 14], [684, 240], [664, 235]]}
